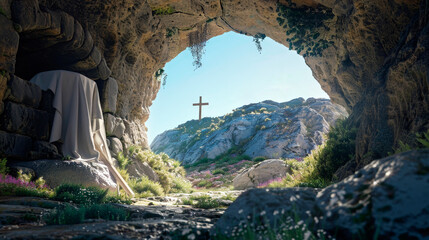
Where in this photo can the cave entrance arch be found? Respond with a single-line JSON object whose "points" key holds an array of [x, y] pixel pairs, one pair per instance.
{"points": [[359, 68], [234, 74]]}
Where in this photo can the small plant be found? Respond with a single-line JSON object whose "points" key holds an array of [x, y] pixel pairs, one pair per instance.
{"points": [[167, 10], [417, 141], [4, 170], [171, 32], [24, 177], [284, 227], [229, 197], [145, 187], [423, 139], [66, 215], [2, 12], [258, 159], [218, 171], [203, 201], [78, 194], [168, 170], [122, 160], [73, 215], [115, 198], [161, 76], [258, 38], [181, 186], [10, 186]]}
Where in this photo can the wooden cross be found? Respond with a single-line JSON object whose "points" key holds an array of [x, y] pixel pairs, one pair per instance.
{"points": [[200, 104]]}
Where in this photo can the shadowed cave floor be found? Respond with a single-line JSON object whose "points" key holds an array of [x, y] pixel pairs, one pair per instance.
{"points": [[150, 218]]}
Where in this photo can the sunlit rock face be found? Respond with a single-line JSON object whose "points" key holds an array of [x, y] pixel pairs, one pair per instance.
{"points": [[369, 56], [267, 129]]}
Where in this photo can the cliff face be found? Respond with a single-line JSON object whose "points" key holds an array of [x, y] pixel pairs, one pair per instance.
{"points": [[266, 129], [369, 56]]}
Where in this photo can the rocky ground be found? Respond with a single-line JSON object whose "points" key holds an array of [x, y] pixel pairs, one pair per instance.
{"points": [[387, 199], [151, 218]]}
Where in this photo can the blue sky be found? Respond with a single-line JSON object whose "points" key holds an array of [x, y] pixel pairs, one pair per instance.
{"points": [[233, 74]]}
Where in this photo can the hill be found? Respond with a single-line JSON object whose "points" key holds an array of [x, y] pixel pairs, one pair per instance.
{"points": [[266, 129]]}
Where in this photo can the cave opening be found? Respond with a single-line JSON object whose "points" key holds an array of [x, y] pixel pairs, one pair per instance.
{"points": [[235, 76], [233, 73]]}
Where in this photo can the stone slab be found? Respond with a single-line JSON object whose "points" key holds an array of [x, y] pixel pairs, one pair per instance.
{"points": [[14, 146], [25, 92], [23, 120]]}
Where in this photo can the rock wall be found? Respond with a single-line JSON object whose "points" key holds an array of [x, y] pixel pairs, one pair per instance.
{"points": [[369, 56], [36, 39]]}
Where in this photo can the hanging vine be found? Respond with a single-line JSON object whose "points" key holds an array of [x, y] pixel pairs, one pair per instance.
{"points": [[303, 26], [161, 76], [197, 43], [258, 38]]}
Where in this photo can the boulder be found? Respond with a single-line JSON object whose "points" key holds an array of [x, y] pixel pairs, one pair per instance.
{"points": [[261, 173], [267, 205], [9, 41], [25, 92], [43, 150], [14, 146], [115, 146], [56, 172], [388, 196], [137, 169], [108, 94], [27, 121], [114, 126]]}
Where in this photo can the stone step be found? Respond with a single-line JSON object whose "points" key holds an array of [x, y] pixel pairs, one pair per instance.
{"points": [[20, 119], [14, 145], [22, 91]]}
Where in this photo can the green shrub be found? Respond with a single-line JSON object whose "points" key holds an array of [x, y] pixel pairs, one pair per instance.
{"points": [[115, 198], [4, 170], [107, 212], [423, 139], [67, 215], [339, 149], [144, 187], [258, 159], [165, 167], [229, 197], [303, 173], [167, 10], [11, 186], [218, 171], [73, 215], [123, 161], [165, 179], [187, 201], [181, 186], [205, 202], [78, 194], [28, 192], [418, 141], [204, 183], [24, 177]]}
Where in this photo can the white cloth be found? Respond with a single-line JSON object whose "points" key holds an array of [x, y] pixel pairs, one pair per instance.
{"points": [[78, 114]]}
